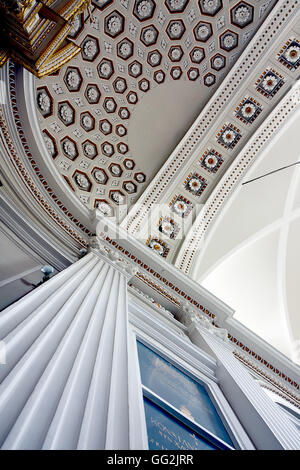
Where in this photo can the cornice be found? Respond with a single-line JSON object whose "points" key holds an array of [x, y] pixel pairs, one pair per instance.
{"points": [[24, 170], [167, 287]]}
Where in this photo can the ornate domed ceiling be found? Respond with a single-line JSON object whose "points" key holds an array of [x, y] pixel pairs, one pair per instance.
{"points": [[100, 115]]}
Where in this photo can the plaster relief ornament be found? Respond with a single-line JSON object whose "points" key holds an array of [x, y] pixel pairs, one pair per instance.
{"points": [[120, 85], [195, 184], [197, 55], [158, 246], [132, 97], [129, 187], [140, 177], [82, 181], [44, 102], [92, 94], [176, 73], [105, 127], [211, 161], [181, 206], [114, 24], [118, 197], [129, 164], [100, 176], [104, 208], [107, 149], [115, 170], [248, 110], [87, 121], [135, 69], [210, 7], [90, 48], [269, 83], [176, 29], [144, 9], [168, 227], [73, 79], [203, 31], [125, 49], [49, 145], [290, 55], [89, 149], [218, 62], [209, 79], [154, 58], [176, 6], [242, 14], [193, 73], [77, 25], [69, 148], [144, 85], [122, 148], [159, 76], [110, 105], [66, 113], [149, 35], [175, 53], [124, 113], [228, 41], [228, 136], [105, 69], [121, 130]]}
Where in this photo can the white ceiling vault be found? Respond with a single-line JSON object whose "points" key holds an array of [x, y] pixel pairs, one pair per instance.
{"points": [[112, 117]]}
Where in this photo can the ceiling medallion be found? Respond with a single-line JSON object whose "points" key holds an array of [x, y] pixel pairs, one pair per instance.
{"points": [[69, 148], [168, 227], [89, 149], [100, 175], [195, 184], [149, 35], [103, 206], [248, 110], [176, 6], [159, 246], [181, 206], [66, 113], [210, 7], [242, 14], [114, 24], [92, 94], [130, 187], [211, 161], [228, 136], [203, 31], [144, 9], [229, 40], [44, 102], [290, 55], [269, 83], [82, 180]]}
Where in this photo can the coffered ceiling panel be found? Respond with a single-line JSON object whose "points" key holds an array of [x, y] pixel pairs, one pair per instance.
{"points": [[112, 116]]}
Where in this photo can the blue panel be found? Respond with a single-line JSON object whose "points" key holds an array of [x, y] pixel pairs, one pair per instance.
{"points": [[166, 433], [180, 390]]}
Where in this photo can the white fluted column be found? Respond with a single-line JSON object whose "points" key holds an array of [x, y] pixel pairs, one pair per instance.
{"points": [[266, 424], [65, 382]]}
